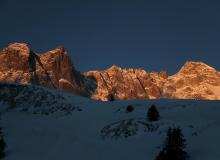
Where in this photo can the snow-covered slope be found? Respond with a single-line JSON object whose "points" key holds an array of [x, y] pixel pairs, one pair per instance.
{"points": [[35, 99], [103, 130]]}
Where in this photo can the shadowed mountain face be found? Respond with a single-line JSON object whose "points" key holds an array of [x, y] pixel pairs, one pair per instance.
{"points": [[54, 69]]}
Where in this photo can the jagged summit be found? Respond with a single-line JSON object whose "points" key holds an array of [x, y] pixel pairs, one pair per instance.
{"points": [[16, 57], [19, 64], [196, 80], [57, 50], [54, 69], [193, 67], [114, 67], [20, 48], [25, 49]]}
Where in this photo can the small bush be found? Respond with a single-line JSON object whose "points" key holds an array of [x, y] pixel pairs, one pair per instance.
{"points": [[153, 114], [129, 108]]}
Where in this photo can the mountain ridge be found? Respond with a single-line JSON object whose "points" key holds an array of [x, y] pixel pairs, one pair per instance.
{"points": [[55, 69]]}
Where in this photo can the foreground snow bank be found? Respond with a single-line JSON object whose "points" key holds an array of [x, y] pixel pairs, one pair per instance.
{"points": [[105, 131]]}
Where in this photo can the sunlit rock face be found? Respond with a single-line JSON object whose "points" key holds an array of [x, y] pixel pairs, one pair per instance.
{"points": [[19, 64], [14, 63], [54, 69], [195, 80], [117, 83]]}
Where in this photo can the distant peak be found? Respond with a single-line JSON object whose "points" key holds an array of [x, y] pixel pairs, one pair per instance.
{"points": [[195, 63], [114, 67], [60, 48], [22, 48], [16, 44], [195, 67]]}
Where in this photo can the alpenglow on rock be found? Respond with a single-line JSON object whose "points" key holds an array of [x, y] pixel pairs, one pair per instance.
{"points": [[54, 69], [19, 64], [117, 83], [196, 80]]}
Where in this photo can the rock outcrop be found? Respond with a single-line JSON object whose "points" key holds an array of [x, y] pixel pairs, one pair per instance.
{"points": [[54, 69], [19, 64], [116, 83], [196, 80]]}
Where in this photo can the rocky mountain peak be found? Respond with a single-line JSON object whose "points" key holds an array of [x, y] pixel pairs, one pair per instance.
{"points": [[19, 48], [196, 80], [114, 67], [19, 64], [54, 69], [191, 67], [16, 57], [58, 50], [125, 83]]}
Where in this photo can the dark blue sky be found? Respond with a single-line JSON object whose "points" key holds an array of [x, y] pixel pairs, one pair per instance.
{"points": [[156, 35]]}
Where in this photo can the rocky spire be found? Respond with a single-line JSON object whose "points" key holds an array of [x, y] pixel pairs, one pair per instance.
{"points": [[18, 63]]}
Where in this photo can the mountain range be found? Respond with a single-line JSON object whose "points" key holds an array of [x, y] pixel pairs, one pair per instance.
{"points": [[54, 69], [47, 109]]}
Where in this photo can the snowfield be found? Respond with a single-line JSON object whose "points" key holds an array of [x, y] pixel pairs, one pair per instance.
{"points": [[94, 130]]}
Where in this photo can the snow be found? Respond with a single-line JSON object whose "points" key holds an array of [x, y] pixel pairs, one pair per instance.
{"points": [[78, 135]]}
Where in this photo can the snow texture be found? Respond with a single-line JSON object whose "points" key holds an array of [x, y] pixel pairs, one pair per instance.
{"points": [[96, 130]]}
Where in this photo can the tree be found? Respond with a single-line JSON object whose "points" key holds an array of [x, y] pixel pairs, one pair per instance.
{"points": [[2, 145], [174, 147], [12, 102], [129, 108], [2, 148], [111, 97], [153, 114]]}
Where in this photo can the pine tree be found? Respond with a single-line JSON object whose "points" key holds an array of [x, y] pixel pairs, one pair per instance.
{"points": [[12, 103], [153, 114], [129, 108], [2, 148], [174, 146], [2, 145]]}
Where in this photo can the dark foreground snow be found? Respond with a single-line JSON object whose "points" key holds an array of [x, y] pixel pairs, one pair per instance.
{"points": [[96, 130]]}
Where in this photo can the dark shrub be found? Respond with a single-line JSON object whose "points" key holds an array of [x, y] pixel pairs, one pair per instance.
{"points": [[153, 114], [129, 108]]}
